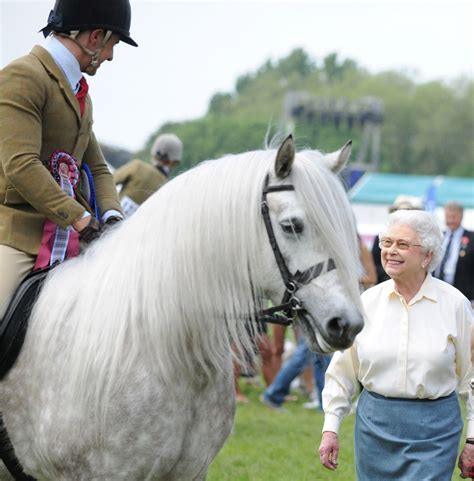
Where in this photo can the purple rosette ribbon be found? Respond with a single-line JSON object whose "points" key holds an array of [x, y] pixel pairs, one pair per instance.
{"points": [[58, 244]]}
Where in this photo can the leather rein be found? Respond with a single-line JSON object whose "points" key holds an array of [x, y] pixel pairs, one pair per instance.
{"points": [[286, 312]]}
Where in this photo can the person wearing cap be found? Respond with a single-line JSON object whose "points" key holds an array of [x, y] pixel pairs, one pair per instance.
{"points": [[54, 180], [139, 179]]}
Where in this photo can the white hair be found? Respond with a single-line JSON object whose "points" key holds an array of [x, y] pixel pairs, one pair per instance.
{"points": [[175, 281], [425, 226]]}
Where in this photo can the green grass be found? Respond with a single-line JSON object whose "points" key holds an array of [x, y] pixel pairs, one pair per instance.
{"points": [[272, 446]]}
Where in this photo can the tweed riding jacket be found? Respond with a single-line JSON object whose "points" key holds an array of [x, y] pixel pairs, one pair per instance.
{"points": [[39, 114], [139, 180]]}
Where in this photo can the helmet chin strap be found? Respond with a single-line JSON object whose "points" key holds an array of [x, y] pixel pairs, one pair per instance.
{"points": [[93, 54]]}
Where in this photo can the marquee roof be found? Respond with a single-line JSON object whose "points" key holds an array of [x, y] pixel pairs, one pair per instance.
{"points": [[376, 188]]}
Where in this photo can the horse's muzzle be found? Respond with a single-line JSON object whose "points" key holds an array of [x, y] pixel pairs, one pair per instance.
{"points": [[341, 332]]}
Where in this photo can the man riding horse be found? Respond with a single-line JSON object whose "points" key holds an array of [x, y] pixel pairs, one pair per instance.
{"points": [[55, 187]]}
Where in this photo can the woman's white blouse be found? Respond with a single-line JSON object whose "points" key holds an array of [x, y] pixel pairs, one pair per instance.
{"points": [[420, 350]]}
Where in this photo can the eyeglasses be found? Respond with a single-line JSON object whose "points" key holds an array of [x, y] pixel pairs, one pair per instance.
{"points": [[401, 244]]}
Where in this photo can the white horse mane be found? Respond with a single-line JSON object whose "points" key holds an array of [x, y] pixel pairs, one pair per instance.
{"points": [[173, 283]]}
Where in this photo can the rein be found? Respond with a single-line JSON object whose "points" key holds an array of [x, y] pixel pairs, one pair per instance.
{"points": [[285, 312]]}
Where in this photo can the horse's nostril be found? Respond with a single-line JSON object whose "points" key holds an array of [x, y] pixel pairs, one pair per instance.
{"points": [[337, 327], [341, 331]]}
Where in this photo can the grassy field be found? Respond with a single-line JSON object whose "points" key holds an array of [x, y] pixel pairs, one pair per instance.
{"points": [[272, 446]]}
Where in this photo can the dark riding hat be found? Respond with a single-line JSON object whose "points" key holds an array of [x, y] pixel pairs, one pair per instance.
{"points": [[70, 15]]}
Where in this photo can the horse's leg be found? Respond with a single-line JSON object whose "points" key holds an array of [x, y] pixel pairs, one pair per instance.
{"points": [[178, 476], [203, 474], [214, 410]]}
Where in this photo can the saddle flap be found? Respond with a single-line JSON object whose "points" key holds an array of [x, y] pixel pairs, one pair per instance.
{"points": [[14, 324]]}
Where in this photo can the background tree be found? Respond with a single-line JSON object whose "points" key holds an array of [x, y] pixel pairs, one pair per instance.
{"points": [[428, 127]]}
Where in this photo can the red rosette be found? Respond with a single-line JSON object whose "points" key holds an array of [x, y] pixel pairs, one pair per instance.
{"points": [[465, 241], [62, 164]]}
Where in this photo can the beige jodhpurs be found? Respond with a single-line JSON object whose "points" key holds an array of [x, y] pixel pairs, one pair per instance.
{"points": [[15, 265]]}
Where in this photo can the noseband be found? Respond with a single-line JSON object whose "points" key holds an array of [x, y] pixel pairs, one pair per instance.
{"points": [[286, 312]]}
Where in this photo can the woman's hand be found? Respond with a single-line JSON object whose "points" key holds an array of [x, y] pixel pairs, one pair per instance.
{"points": [[466, 462], [329, 450]]}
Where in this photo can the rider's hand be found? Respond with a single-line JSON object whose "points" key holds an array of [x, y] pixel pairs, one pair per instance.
{"points": [[112, 220], [466, 462], [82, 222], [329, 450], [91, 232]]}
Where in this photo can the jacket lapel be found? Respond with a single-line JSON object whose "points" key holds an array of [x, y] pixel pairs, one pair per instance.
{"points": [[53, 69]]}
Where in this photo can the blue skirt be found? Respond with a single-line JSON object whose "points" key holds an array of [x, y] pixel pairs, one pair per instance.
{"points": [[406, 439]]}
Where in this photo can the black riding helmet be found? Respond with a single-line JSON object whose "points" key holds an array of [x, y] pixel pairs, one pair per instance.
{"points": [[73, 15]]}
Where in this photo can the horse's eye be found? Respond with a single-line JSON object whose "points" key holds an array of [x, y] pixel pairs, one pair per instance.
{"points": [[292, 226]]}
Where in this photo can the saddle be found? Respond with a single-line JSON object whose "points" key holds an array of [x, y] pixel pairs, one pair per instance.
{"points": [[14, 324]]}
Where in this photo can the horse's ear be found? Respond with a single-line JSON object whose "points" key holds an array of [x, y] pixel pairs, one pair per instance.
{"points": [[285, 158], [336, 161]]}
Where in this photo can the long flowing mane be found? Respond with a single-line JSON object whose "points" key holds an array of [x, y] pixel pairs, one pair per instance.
{"points": [[172, 283]]}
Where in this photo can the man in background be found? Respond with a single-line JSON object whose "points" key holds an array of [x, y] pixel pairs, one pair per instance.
{"points": [[139, 179], [457, 265]]}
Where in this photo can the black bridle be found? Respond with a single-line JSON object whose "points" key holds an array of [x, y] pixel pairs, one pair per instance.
{"points": [[286, 312]]}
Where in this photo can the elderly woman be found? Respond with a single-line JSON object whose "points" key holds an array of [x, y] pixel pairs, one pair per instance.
{"points": [[410, 360]]}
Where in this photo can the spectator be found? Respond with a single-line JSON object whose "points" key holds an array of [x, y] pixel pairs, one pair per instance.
{"points": [[369, 274], [411, 359], [261, 343], [457, 265], [275, 394], [401, 202], [139, 179], [278, 347]]}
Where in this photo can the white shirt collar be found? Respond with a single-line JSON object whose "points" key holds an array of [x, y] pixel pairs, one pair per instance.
{"points": [[427, 290], [65, 60]]}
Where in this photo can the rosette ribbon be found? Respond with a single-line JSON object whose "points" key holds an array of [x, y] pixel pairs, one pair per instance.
{"points": [[58, 244]]}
